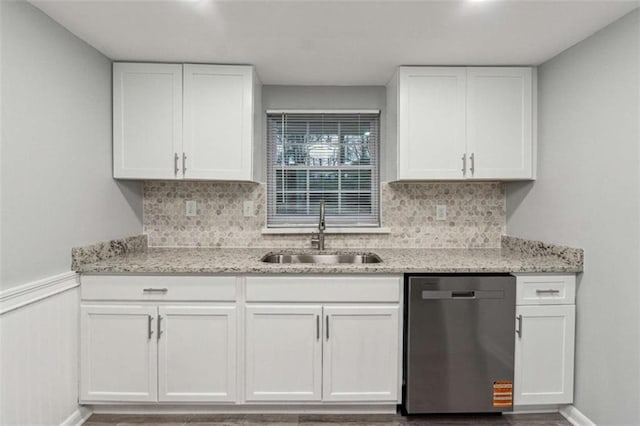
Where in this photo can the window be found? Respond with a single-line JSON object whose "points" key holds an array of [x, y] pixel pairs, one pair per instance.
{"points": [[323, 156]]}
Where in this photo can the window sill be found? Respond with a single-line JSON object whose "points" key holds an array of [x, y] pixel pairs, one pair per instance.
{"points": [[309, 231]]}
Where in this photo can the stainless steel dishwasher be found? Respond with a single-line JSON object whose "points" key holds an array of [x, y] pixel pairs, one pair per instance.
{"points": [[459, 343]]}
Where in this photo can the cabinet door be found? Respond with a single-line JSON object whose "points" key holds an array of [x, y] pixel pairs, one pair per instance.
{"points": [[197, 353], [499, 123], [361, 353], [118, 353], [283, 353], [544, 355], [431, 123], [218, 122], [147, 120]]}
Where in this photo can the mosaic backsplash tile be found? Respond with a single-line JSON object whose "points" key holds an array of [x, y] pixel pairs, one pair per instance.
{"points": [[475, 216]]}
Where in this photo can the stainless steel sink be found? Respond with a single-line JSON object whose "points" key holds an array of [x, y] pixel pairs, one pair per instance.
{"points": [[321, 258]]}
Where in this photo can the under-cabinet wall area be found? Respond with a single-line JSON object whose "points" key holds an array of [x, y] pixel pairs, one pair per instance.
{"points": [[475, 216]]}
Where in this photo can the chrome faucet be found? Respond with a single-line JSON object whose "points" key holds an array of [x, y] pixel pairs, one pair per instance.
{"points": [[318, 239]]}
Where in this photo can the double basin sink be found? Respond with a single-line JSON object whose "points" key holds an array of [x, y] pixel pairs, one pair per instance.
{"points": [[324, 258]]}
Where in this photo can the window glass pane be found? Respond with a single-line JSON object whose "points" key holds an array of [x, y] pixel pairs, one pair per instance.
{"points": [[330, 203], [291, 180], [356, 180], [355, 154], [296, 131], [324, 132], [323, 156], [291, 203], [295, 154], [353, 204], [323, 180]]}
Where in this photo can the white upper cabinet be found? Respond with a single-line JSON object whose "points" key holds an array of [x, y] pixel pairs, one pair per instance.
{"points": [[453, 123], [431, 123], [499, 122], [174, 121], [147, 120], [218, 117]]}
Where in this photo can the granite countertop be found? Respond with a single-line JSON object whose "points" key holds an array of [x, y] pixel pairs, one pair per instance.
{"points": [[516, 255]]}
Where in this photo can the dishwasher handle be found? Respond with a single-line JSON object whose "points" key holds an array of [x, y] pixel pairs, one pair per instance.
{"points": [[461, 295]]}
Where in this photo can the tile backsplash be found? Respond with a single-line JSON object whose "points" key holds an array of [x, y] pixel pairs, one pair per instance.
{"points": [[475, 216]]}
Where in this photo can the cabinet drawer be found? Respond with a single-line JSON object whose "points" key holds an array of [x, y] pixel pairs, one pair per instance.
{"points": [[545, 289], [323, 289], [158, 288]]}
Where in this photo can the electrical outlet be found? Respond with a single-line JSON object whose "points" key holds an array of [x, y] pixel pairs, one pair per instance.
{"points": [[191, 209], [247, 209], [441, 212]]}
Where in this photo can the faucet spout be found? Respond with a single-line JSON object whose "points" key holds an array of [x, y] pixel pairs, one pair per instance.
{"points": [[318, 239], [322, 225]]}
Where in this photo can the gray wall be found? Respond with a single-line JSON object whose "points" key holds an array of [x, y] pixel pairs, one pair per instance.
{"points": [[587, 195], [57, 190], [323, 97]]}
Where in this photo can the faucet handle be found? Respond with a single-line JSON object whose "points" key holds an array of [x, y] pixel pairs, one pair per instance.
{"points": [[315, 240]]}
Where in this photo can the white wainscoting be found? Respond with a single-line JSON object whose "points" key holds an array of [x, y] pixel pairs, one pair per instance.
{"points": [[39, 332]]}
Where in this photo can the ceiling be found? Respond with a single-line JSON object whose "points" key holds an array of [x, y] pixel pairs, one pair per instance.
{"points": [[331, 42]]}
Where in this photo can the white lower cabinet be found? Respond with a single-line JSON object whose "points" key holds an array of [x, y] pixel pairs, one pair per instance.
{"points": [[283, 353], [118, 353], [266, 340], [197, 353], [322, 353], [360, 352], [138, 353], [544, 354], [545, 336]]}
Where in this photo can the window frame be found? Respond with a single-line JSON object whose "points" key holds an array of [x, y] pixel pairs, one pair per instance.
{"points": [[283, 221]]}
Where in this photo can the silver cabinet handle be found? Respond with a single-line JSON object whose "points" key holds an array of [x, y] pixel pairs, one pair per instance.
{"points": [[464, 164], [159, 326], [317, 327], [551, 291], [519, 329], [155, 290], [150, 326], [184, 163], [473, 163], [175, 164], [327, 327]]}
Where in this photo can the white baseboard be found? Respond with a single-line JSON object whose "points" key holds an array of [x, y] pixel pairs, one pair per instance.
{"points": [[244, 409], [78, 417], [575, 416], [23, 295]]}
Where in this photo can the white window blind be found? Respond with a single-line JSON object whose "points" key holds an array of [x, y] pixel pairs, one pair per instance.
{"points": [[323, 156]]}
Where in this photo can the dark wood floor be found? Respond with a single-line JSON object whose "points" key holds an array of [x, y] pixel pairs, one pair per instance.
{"points": [[551, 419]]}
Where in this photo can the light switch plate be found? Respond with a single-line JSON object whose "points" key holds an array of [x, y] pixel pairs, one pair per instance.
{"points": [[441, 212], [191, 209], [247, 208]]}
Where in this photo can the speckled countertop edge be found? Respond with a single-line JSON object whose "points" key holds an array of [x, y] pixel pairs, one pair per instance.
{"points": [[516, 256], [571, 255], [81, 256]]}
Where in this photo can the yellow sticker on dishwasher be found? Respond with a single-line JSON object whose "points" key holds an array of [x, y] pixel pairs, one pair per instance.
{"points": [[502, 394]]}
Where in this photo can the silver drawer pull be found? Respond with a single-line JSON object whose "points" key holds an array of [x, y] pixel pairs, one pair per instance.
{"points": [[550, 291], [155, 290], [519, 329]]}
